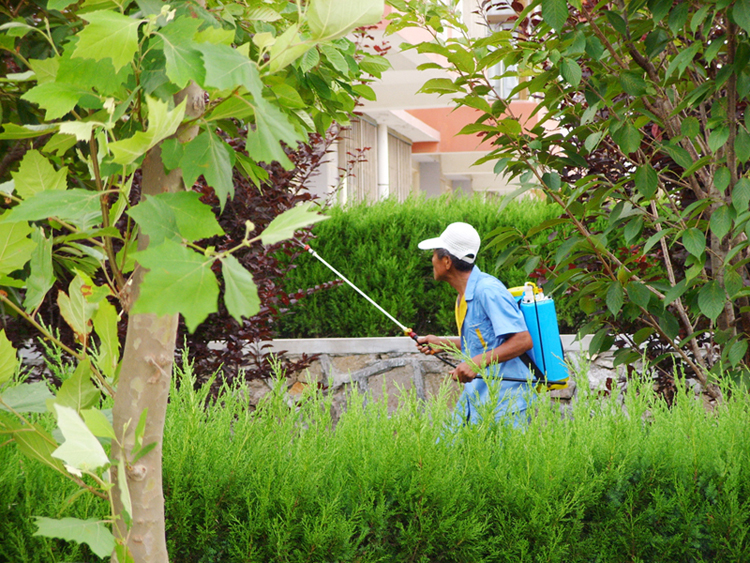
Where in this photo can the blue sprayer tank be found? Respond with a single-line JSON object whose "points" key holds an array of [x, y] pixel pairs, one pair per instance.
{"points": [[539, 313]]}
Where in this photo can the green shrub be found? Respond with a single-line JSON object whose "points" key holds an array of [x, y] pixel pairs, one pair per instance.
{"points": [[613, 481], [375, 246]]}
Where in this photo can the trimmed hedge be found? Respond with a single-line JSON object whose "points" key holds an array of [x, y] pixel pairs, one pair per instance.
{"points": [[375, 246], [612, 482]]}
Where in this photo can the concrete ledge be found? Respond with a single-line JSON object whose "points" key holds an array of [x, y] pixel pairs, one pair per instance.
{"points": [[385, 345]]}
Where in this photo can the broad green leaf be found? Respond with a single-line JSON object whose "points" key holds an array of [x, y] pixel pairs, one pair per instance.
{"points": [[161, 124], [330, 19], [690, 127], [105, 326], [78, 391], [75, 308], [679, 155], [29, 397], [36, 174], [93, 533], [711, 299], [56, 98], [718, 138], [646, 181], [81, 130], [694, 241], [733, 282], [628, 138], [184, 62], [59, 144], [287, 48], [285, 225], [81, 450], [736, 351], [633, 83], [210, 156], [337, 60], [555, 13], [227, 69], [742, 144], [13, 131], [174, 216], [683, 59], [615, 297], [272, 126], [741, 195], [59, 4], [80, 207], [241, 293], [45, 69], [571, 72], [8, 359], [122, 484], [179, 281], [16, 248], [669, 325], [42, 276], [639, 294], [722, 177], [98, 423], [109, 34], [741, 13], [721, 221], [439, 86]]}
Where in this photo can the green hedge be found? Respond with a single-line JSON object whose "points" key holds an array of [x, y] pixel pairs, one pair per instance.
{"points": [[608, 483], [375, 246]]}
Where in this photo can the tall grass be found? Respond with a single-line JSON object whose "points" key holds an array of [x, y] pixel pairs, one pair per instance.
{"points": [[617, 479]]}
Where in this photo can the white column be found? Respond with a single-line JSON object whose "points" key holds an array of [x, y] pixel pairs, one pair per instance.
{"points": [[383, 189]]}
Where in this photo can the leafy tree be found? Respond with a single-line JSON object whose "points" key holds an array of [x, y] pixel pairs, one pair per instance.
{"points": [[101, 91], [641, 133]]}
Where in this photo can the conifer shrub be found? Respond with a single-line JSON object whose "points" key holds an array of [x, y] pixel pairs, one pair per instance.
{"points": [[375, 246]]}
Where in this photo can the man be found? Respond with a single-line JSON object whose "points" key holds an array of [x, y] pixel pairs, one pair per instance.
{"points": [[491, 328]]}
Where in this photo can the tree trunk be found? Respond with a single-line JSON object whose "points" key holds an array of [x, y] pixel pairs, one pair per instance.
{"points": [[144, 383]]}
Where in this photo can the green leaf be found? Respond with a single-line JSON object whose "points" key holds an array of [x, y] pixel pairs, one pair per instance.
{"points": [[81, 450], [36, 174], [718, 138], [78, 391], [211, 157], [711, 299], [736, 352], [59, 4], [633, 83], [617, 22], [555, 13], [105, 325], [721, 221], [742, 144], [330, 19], [741, 14], [337, 60], [439, 86], [682, 60], [175, 216], [571, 72], [108, 35], [669, 325], [15, 245], [679, 155], [615, 297], [13, 131], [272, 126], [628, 138], [75, 309], [690, 127], [741, 195], [639, 294], [241, 293], [42, 276], [29, 397], [80, 207], [56, 98], [722, 177], [98, 423], [93, 533], [227, 68], [646, 181], [179, 281], [8, 359], [122, 484], [733, 282], [184, 63], [161, 124], [694, 241], [285, 225]]}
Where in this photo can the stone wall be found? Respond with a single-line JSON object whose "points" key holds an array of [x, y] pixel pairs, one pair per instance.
{"points": [[389, 366]]}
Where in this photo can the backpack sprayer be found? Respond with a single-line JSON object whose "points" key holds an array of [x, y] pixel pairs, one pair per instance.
{"points": [[544, 360]]}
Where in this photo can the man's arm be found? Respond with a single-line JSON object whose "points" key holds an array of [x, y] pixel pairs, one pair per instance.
{"points": [[515, 345], [430, 344]]}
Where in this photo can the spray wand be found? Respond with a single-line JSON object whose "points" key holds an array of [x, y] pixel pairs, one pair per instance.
{"points": [[407, 331]]}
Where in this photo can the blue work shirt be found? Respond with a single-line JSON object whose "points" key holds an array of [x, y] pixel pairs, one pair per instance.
{"points": [[492, 316]]}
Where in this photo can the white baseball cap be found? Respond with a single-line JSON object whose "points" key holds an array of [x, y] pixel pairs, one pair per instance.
{"points": [[460, 239]]}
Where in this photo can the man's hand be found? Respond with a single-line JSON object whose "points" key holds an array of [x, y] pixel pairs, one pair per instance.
{"points": [[426, 344], [463, 373]]}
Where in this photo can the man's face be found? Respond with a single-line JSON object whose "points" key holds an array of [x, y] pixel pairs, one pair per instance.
{"points": [[439, 266]]}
